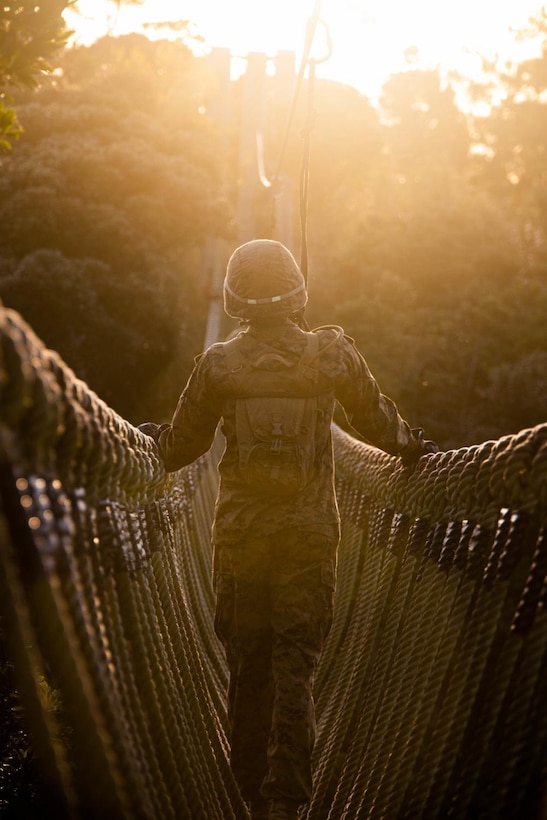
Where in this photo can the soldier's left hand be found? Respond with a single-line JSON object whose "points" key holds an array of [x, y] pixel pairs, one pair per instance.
{"points": [[149, 429]]}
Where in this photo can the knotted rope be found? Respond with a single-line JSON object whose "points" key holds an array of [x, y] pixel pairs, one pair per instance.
{"points": [[431, 690]]}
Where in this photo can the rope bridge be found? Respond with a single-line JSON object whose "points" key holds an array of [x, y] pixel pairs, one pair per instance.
{"points": [[430, 693]]}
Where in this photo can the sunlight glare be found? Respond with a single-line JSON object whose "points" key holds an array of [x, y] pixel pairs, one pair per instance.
{"points": [[370, 37]]}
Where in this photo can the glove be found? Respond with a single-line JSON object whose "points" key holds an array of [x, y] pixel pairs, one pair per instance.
{"points": [[150, 429], [416, 447]]}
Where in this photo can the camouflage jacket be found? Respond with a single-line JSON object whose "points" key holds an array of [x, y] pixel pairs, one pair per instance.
{"points": [[207, 400]]}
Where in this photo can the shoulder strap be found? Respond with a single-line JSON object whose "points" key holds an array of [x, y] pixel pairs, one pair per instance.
{"points": [[311, 351], [312, 347], [232, 354]]}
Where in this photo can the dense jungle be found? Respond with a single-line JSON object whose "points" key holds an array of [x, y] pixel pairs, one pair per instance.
{"points": [[426, 223]]}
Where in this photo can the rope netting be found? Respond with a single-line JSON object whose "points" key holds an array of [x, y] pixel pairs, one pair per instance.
{"points": [[430, 693]]}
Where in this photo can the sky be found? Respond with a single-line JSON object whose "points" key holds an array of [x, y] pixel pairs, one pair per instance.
{"points": [[369, 37]]}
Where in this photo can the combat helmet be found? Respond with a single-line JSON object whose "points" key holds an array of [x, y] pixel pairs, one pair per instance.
{"points": [[263, 282]]}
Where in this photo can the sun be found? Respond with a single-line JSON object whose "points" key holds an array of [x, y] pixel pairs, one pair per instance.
{"points": [[370, 38]]}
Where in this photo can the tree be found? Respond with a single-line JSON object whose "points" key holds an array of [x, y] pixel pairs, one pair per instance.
{"points": [[514, 132], [426, 267], [31, 35], [105, 204], [426, 129]]}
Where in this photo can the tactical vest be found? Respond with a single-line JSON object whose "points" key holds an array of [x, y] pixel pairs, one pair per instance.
{"points": [[276, 414]]}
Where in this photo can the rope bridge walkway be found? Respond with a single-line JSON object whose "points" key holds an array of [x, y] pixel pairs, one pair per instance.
{"points": [[431, 690]]}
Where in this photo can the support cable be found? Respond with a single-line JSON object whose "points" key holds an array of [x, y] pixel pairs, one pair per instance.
{"points": [[308, 42], [305, 173], [273, 183]]}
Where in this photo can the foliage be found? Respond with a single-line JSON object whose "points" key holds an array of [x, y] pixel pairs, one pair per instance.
{"points": [[437, 272], [23, 793], [513, 132], [9, 127], [31, 34], [104, 207]]}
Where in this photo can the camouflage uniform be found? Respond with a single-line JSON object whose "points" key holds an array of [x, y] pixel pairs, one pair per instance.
{"points": [[275, 557], [274, 611], [207, 399]]}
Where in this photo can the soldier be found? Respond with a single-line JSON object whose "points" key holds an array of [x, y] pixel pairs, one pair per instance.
{"points": [[276, 529]]}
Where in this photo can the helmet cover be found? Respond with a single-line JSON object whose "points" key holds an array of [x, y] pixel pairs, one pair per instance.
{"points": [[263, 281]]}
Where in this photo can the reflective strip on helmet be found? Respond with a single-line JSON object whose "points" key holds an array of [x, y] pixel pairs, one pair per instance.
{"points": [[267, 300]]}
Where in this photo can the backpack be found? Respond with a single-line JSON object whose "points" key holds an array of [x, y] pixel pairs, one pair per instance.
{"points": [[276, 411]]}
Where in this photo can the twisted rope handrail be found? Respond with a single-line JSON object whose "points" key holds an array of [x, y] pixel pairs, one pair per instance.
{"points": [[430, 693]]}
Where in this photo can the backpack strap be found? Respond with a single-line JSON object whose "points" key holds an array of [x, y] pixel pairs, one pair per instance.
{"points": [[235, 364], [311, 351], [232, 355]]}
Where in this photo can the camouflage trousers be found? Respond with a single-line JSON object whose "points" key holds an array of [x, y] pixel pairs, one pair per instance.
{"points": [[274, 612]]}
